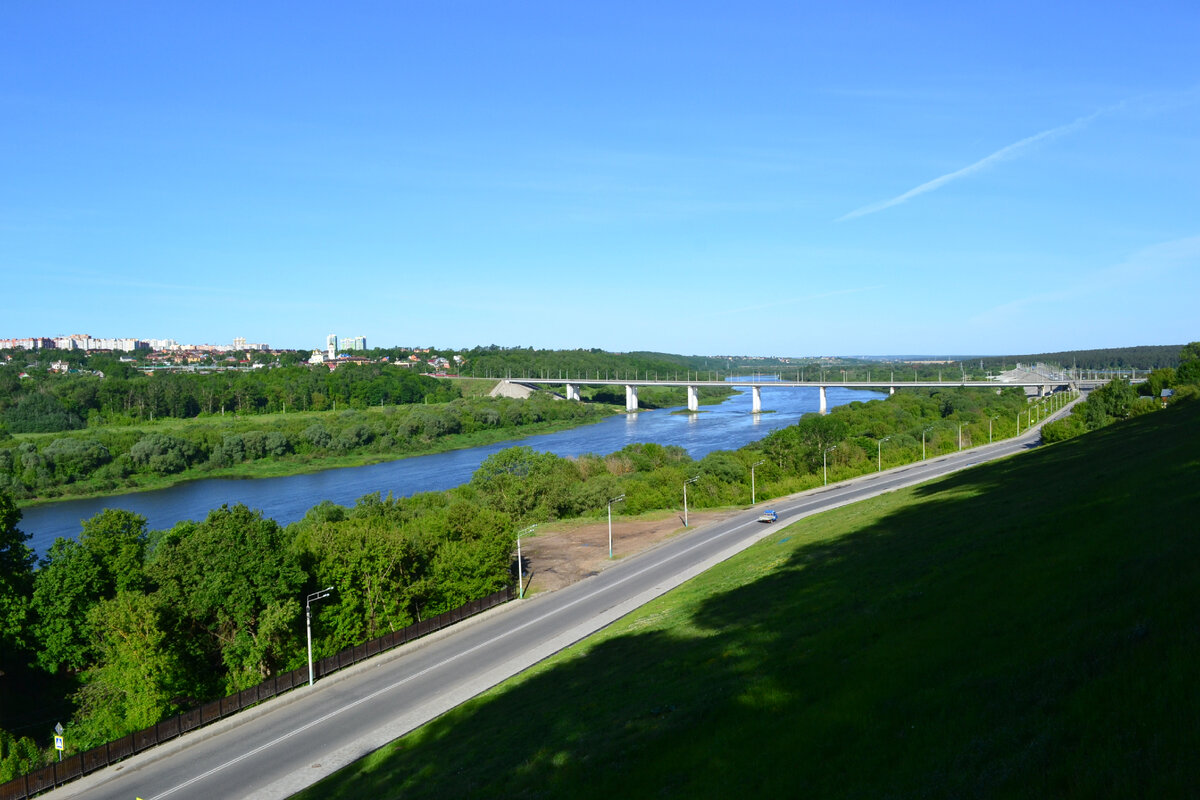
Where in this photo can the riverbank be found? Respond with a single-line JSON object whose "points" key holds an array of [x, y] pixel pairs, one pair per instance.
{"points": [[295, 464]]}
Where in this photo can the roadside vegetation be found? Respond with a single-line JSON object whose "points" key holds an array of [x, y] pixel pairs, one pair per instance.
{"points": [[1024, 628], [124, 626], [1118, 399]]}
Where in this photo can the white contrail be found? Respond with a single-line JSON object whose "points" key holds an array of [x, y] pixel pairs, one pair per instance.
{"points": [[999, 155]]}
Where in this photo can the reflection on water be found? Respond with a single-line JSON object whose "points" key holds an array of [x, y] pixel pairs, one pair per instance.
{"points": [[727, 426]]}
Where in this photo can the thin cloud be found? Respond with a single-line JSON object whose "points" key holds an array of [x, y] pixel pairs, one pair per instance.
{"points": [[1155, 264], [1002, 154], [804, 299]]}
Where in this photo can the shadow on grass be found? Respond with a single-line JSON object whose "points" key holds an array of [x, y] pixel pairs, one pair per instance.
{"points": [[1028, 628]]}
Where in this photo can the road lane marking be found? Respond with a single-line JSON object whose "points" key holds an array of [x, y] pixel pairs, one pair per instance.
{"points": [[835, 494]]}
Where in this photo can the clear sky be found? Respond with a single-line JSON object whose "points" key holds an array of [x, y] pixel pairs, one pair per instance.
{"points": [[704, 178]]}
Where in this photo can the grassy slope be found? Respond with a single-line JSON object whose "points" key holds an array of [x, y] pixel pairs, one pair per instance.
{"points": [[1025, 628]]}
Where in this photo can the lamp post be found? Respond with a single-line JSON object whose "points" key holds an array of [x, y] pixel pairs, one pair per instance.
{"points": [[753, 496], [824, 462], [520, 563], [610, 504], [879, 455], [685, 485], [319, 595], [927, 430], [960, 435], [990, 419]]}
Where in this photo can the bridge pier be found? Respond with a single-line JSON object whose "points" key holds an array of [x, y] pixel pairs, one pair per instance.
{"points": [[631, 397], [756, 400], [572, 391], [891, 390], [693, 398], [824, 406]]}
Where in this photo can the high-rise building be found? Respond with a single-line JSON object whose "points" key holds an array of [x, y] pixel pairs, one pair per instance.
{"points": [[353, 343]]}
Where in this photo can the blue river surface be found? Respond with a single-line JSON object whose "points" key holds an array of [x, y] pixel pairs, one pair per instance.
{"points": [[727, 426]]}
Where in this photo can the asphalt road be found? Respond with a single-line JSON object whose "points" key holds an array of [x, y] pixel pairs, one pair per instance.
{"points": [[287, 743]]}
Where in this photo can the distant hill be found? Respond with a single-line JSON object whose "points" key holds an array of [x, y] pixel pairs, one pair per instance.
{"points": [[1148, 356]]}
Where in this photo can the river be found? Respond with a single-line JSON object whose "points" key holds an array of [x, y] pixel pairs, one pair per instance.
{"points": [[727, 426]]}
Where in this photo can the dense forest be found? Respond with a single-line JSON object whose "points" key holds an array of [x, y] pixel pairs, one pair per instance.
{"points": [[1143, 357]]}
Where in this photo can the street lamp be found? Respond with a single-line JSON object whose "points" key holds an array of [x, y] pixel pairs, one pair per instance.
{"points": [[752, 466], [879, 455], [520, 563], [927, 430], [685, 485], [990, 428], [824, 462], [960, 435], [610, 502], [319, 595]]}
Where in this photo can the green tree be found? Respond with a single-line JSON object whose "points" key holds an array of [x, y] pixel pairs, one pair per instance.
{"points": [[40, 412], [1114, 400], [75, 576], [16, 581], [66, 587], [137, 674], [234, 581], [117, 539], [18, 756], [520, 481], [1189, 364]]}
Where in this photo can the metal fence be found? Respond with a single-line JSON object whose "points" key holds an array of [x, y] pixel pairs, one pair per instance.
{"points": [[84, 763]]}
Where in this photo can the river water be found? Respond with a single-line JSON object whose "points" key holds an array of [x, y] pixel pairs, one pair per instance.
{"points": [[727, 426]]}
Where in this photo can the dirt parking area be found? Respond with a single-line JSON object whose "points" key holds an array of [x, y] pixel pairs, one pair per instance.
{"points": [[563, 553]]}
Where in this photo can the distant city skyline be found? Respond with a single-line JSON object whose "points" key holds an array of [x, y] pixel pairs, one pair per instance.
{"points": [[771, 179]]}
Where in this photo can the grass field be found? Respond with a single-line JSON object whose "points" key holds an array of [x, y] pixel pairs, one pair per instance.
{"points": [[1028, 628]]}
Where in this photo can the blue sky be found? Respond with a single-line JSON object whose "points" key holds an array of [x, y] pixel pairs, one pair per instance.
{"points": [[751, 178]]}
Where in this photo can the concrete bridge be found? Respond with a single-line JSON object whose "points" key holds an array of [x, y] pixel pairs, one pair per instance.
{"points": [[1039, 388]]}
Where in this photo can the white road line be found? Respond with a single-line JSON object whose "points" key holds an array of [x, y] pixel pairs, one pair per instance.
{"points": [[847, 491], [444, 662]]}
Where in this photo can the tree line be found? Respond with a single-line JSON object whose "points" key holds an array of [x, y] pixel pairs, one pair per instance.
{"points": [[111, 458], [55, 402], [1137, 357], [1118, 399]]}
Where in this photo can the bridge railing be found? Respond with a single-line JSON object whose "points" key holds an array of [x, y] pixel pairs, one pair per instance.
{"points": [[97, 758]]}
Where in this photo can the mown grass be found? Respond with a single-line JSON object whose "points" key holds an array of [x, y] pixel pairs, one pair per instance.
{"points": [[1027, 628]]}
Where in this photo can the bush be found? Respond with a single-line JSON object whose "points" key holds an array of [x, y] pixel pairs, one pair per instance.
{"points": [[317, 436], [1062, 429], [162, 454], [75, 459]]}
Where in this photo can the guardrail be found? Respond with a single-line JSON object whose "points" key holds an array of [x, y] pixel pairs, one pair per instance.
{"points": [[89, 761]]}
